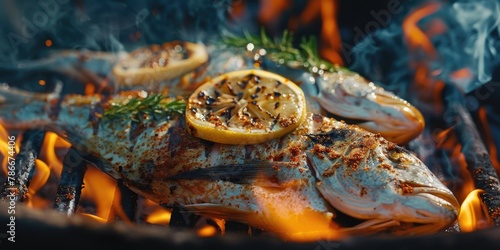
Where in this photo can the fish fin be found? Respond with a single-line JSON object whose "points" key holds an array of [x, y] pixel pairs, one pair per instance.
{"points": [[21, 109], [251, 172], [221, 212]]}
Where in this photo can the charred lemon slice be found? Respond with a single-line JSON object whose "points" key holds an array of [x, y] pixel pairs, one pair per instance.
{"points": [[245, 107], [156, 63]]}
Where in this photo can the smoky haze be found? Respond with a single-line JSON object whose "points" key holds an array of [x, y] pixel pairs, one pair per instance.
{"points": [[115, 25], [464, 35]]}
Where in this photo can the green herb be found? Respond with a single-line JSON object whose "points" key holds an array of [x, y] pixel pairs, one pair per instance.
{"points": [[150, 107], [282, 50]]}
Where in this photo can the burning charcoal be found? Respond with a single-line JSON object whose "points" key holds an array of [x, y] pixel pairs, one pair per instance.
{"points": [[182, 218], [128, 200], [24, 164], [70, 186], [478, 160]]}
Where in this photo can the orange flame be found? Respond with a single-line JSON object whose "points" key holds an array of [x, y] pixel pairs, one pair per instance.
{"points": [[39, 179], [488, 137], [448, 141], [89, 89], [330, 33], [270, 10], [49, 151], [160, 216], [3, 149], [294, 220], [415, 37], [100, 188], [472, 216], [207, 231], [330, 42]]}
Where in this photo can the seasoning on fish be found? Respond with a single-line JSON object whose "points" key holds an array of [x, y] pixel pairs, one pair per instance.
{"points": [[322, 167], [342, 93], [156, 63]]}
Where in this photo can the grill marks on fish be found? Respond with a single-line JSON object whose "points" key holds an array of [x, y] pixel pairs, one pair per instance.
{"points": [[330, 138], [243, 173], [174, 140], [96, 112], [136, 129]]}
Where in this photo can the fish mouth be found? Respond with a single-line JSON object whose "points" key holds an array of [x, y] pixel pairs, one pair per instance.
{"points": [[443, 200], [435, 210]]}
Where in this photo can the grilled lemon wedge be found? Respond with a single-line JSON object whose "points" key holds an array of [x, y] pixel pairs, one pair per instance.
{"points": [[156, 63], [245, 107]]}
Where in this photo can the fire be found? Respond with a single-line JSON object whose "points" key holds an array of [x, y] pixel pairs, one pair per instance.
{"points": [[415, 37], [99, 188], [297, 221], [159, 216], [488, 137], [423, 60], [3, 149], [52, 151], [42, 174], [472, 216], [207, 230], [89, 89], [326, 10]]}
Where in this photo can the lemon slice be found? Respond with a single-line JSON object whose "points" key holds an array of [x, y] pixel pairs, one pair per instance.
{"points": [[245, 107], [156, 63]]}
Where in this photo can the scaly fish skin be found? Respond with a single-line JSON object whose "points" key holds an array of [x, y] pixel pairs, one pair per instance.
{"points": [[344, 94], [322, 167]]}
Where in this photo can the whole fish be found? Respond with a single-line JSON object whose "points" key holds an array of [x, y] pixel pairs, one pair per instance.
{"points": [[179, 67], [322, 168]]}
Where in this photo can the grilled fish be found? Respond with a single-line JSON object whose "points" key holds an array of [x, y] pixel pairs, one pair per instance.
{"points": [[322, 168], [179, 67]]}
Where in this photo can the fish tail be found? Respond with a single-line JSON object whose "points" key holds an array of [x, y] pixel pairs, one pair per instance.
{"points": [[21, 109]]}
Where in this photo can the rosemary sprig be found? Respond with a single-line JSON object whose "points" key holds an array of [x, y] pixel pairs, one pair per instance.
{"points": [[282, 50], [153, 106]]}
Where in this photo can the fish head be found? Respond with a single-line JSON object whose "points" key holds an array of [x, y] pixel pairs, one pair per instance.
{"points": [[366, 177], [375, 109]]}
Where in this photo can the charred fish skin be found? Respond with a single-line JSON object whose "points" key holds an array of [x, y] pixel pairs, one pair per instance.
{"points": [[322, 167]]}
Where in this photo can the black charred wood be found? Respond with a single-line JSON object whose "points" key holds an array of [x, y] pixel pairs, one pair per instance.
{"points": [[31, 143], [181, 218], [70, 185], [476, 155], [128, 201], [44, 228]]}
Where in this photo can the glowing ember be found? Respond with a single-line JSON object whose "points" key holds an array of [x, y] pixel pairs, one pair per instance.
{"points": [[89, 89], [207, 230], [159, 216]]}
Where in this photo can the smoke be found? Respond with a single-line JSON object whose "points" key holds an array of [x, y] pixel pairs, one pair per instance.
{"points": [[479, 19], [465, 40], [103, 25]]}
